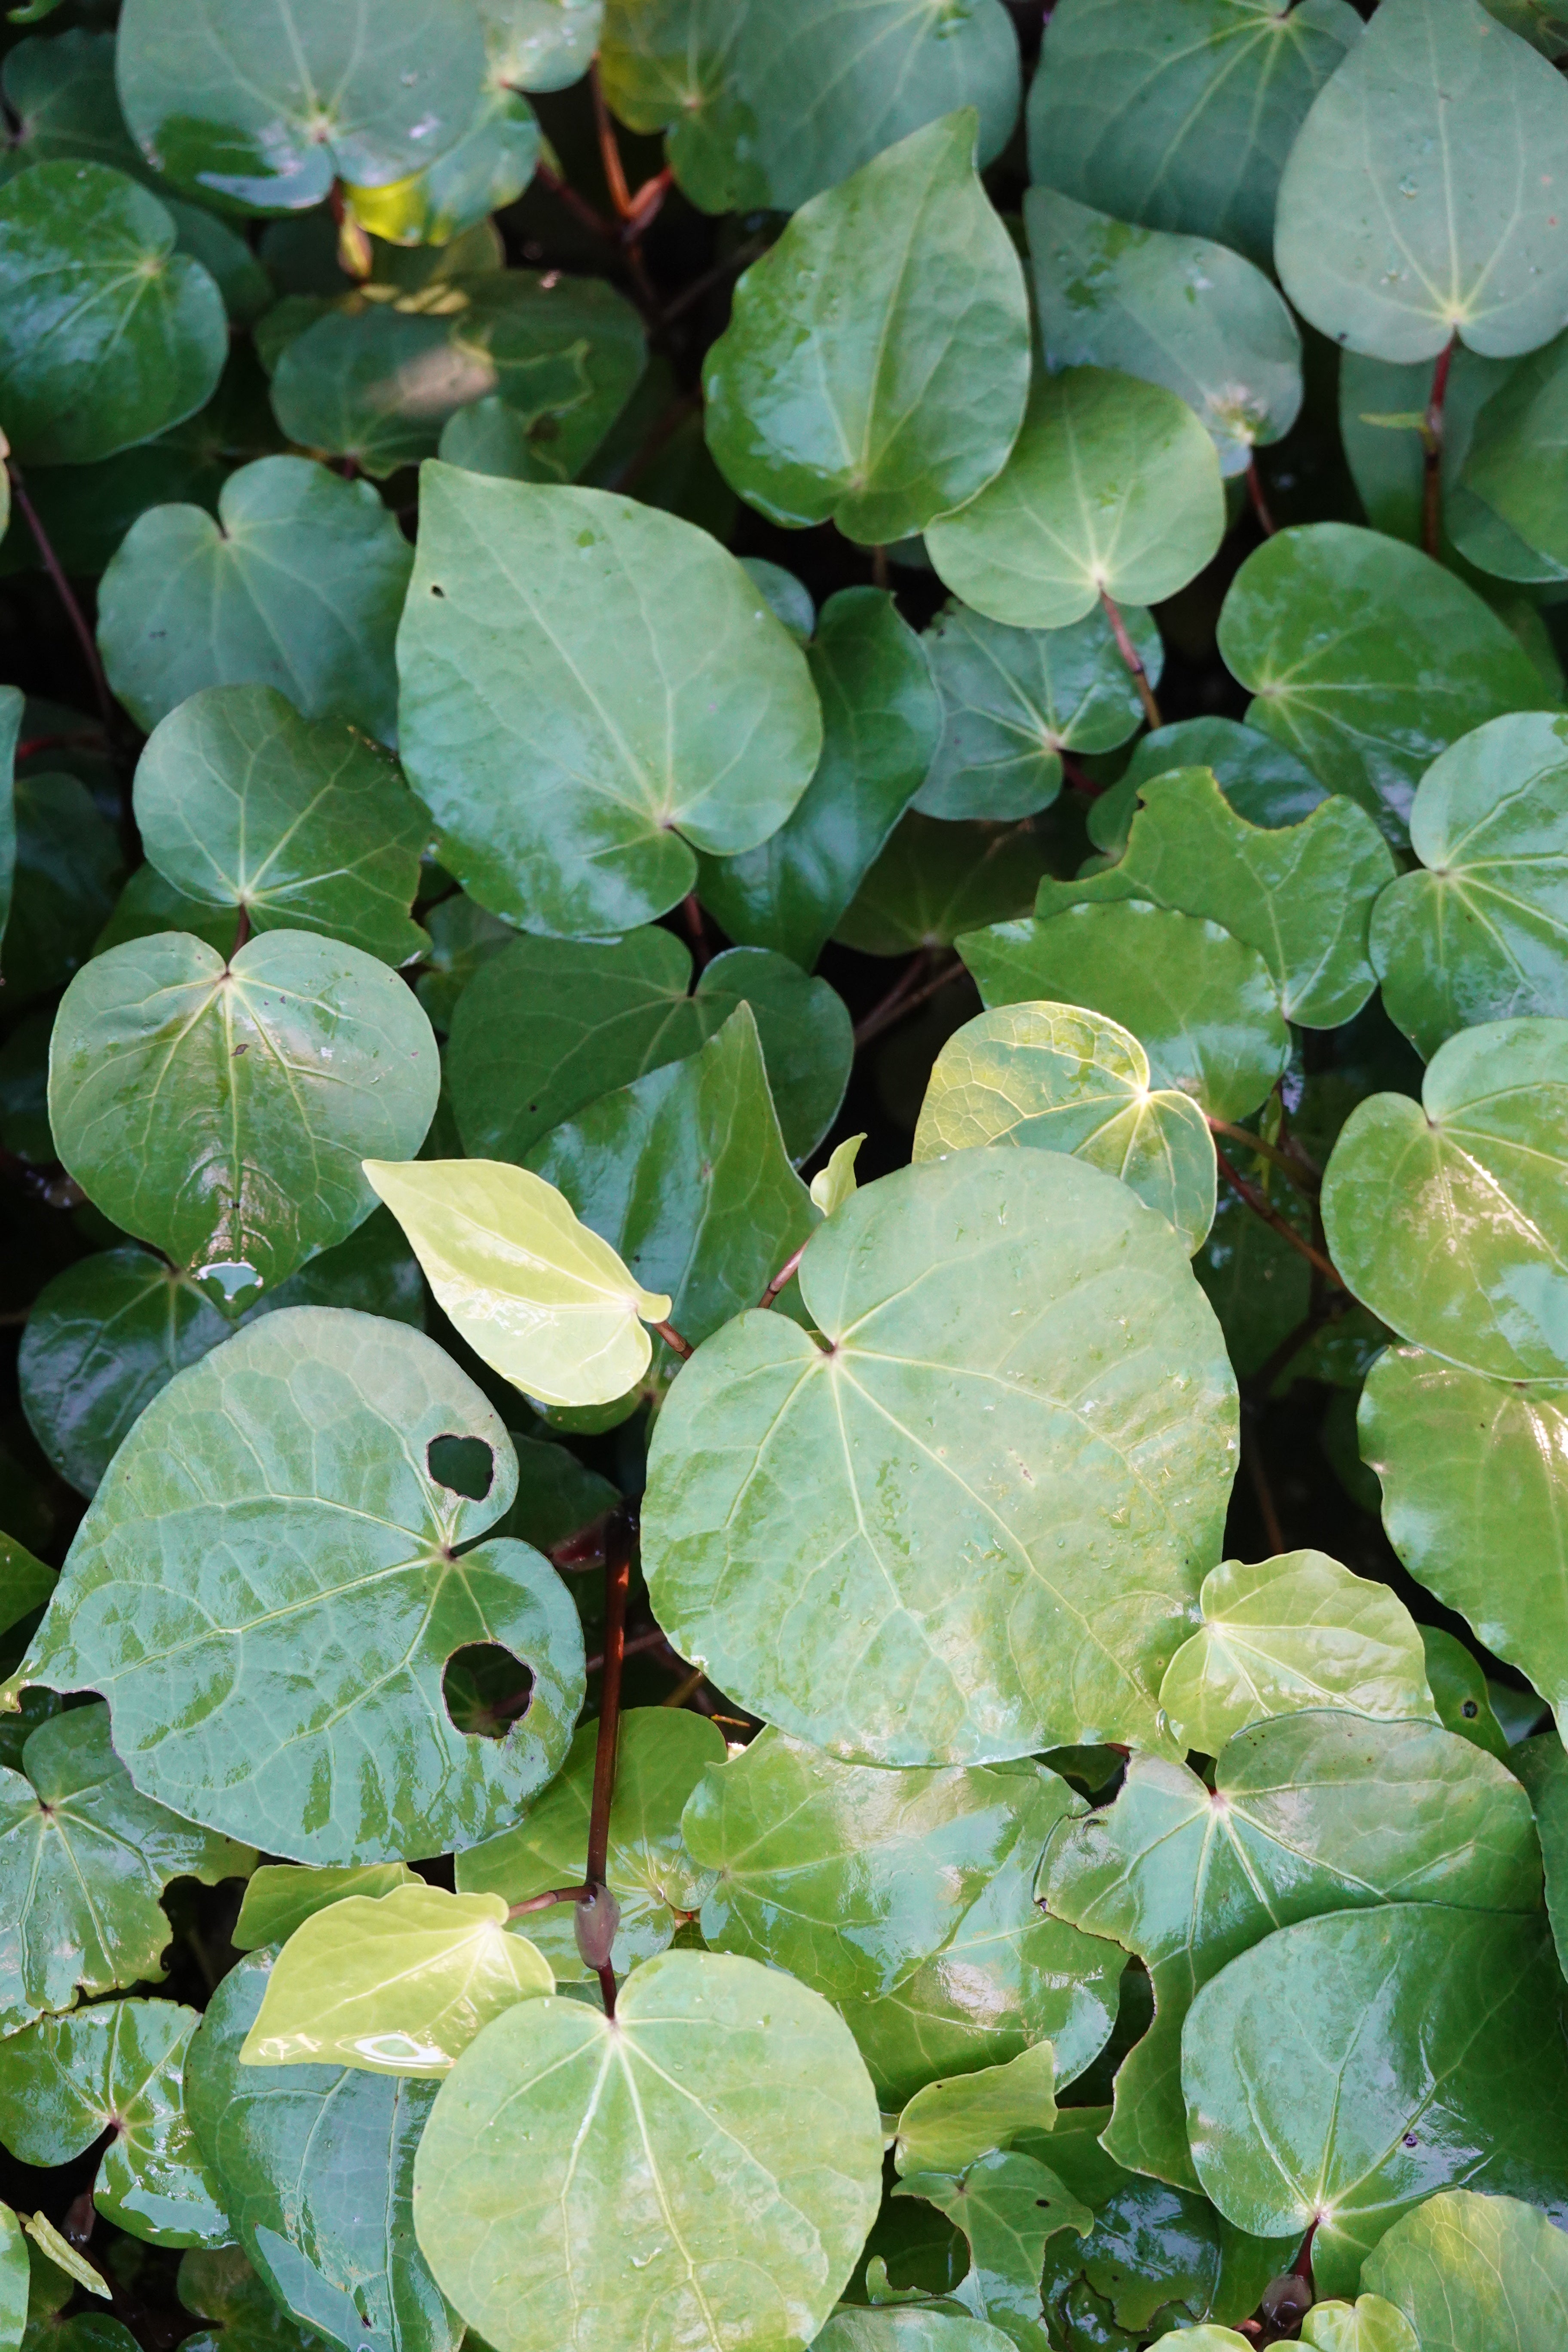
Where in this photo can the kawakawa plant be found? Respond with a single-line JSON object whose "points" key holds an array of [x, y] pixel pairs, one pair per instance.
{"points": [[783, 1084]]}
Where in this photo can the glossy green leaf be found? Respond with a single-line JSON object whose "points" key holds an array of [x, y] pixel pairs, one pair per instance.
{"points": [[1502, 504], [220, 2287], [68, 867], [15, 2272], [463, 939], [1313, 2062], [659, 706], [282, 1895], [889, 1657], [1476, 2273], [25, 1583], [1460, 1691], [1007, 2206], [107, 335], [12, 704], [1014, 699], [297, 584], [603, 2160], [653, 1878], [1445, 1217], [57, 2259], [562, 354], [489, 167], [768, 108], [895, 2329], [1292, 1633], [881, 725], [1417, 204], [685, 1174], [375, 384], [1112, 489], [116, 2069], [1262, 781], [1309, 1813], [1203, 1006], [908, 1901], [1177, 311], [874, 369], [1368, 2325], [221, 1111], [1478, 933], [541, 44], [267, 106], [551, 1025], [316, 2166], [301, 1560], [948, 2124], [1181, 113], [60, 89], [1367, 659], [84, 1859], [1472, 1472], [1056, 1078], [935, 881], [398, 1983]]}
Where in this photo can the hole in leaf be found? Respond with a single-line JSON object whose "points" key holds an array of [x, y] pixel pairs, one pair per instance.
{"points": [[1469, 1710], [486, 1690], [465, 1464]]}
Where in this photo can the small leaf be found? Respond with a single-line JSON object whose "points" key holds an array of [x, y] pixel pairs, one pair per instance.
{"points": [[1368, 2325], [282, 1895], [908, 2330], [836, 1184], [1503, 506], [1007, 2206], [218, 2286], [64, 2255], [1460, 1691], [68, 865], [947, 2125], [14, 2274], [1466, 2270]]}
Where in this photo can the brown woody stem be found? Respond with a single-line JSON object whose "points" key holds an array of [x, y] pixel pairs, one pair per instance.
{"points": [[1432, 475], [1271, 1216], [1133, 658]]}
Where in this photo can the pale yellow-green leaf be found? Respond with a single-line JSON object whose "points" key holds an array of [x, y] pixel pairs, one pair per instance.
{"points": [[833, 1185], [544, 1300], [63, 2254], [396, 1984], [950, 2123], [1284, 1634], [282, 1895], [1368, 2325]]}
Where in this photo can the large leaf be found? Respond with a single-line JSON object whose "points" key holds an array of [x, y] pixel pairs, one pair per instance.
{"points": [[1176, 311], [552, 1024], [316, 2165], [1418, 200], [1262, 781], [628, 660], [1180, 113], [266, 105], [1480, 931], [221, 1110], [108, 336], [1057, 1078], [941, 1423], [83, 1862], [1204, 1008], [1447, 1217], [117, 2070], [768, 108], [906, 1900], [876, 365], [655, 1881], [881, 723], [1368, 660], [1309, 1814], [1474, 1473], [1347, 2067], [1113, 488], [273, 1513], [297, 584], [1476, 2273]]}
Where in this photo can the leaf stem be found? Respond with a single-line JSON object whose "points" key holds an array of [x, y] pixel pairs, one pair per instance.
{"points": [[609, 148], [1290, 1168], [587, 213], [1266, 521], [1134, 660], [1271, 1216], [1432, 475], [1079, 782], [783, 1275], [543, 1902], [1273, 1533], [66, 595], [620, 1537], [672, 1338]]}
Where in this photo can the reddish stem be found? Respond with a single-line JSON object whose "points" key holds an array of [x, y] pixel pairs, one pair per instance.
{"points": [[1266, 521], [618, 1583], [610, 150], [1271, 1216], [671, 1338], [782, 1277], [1432, 478], [92, 739], [1080, 783], [590, 217], [63, 590], [1133, 658]]}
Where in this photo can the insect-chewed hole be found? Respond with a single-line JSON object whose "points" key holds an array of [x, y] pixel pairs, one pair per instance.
{"points": [[486, 1690], [466, 1464]]}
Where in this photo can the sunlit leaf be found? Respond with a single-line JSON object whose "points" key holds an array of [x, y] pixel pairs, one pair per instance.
{"points": [[1469, 2270], [949, 2123]]}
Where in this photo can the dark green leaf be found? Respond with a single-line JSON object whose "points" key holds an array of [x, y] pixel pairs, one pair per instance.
{"points": [[67, 870], [1262, 781], [243, 2314], [935, 881], [1505, 511]]}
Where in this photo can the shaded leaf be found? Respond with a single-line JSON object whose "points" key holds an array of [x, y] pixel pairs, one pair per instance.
{"points": [[1007, 2206], [282, 1895], [935, 881]]}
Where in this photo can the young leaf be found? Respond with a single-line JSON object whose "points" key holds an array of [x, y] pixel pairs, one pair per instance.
{"points": [[398, 1983], [280, 1896], [1112, 489], [1467, 2270], [1479, 933], [1417, 203], [605, 2156], [116, 2069], [65, 2261], [1446, 1218], [1007, 2206], [833, 1185], [659, 706], [538, 1295], [108, 336], [297, 585], [1368, 2325], [221, 1111], [309, 1577], [1296, 1631], [947, 2125], [1039, 1643], [1056, 1078], [1203, 1006], [876, 367], [84, 1859]]}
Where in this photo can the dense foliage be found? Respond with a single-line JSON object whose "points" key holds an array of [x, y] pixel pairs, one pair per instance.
{"points": [[783, 1112]]}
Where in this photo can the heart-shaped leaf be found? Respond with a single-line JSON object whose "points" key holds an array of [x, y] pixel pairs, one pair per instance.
{"points": [[1471, 2270], [1368, 2325], [221, 1110], [274, 1507], [660, 707], [1056, 1078], [1112, 489], [935, 881], [488, 168], [949, 2123], [297, 584], [874, 369], [560, 2131], [1038, 1643], [282, 1895]]}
